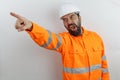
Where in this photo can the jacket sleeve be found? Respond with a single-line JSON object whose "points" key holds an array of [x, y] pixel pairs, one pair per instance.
{"points": [[105, 71], [45, 38]]}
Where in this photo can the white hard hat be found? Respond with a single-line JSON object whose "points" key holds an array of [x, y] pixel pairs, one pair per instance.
{"points": [[67, 8]]}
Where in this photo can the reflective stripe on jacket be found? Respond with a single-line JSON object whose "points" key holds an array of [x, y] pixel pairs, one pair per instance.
{"points": [[83, 56]]}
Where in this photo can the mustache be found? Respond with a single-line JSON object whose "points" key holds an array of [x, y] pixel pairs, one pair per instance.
{"points": [[71, 24]]}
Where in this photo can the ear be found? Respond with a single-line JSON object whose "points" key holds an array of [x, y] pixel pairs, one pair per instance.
{"points": [[79, 18]]}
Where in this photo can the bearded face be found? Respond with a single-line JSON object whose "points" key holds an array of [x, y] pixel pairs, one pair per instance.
{"points": [[72, 23]]}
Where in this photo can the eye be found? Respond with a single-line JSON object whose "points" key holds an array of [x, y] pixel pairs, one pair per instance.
{"points": [[65, 19], [73, 17]]}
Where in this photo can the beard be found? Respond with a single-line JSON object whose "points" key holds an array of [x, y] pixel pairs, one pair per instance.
{"points": [[76, 32]]}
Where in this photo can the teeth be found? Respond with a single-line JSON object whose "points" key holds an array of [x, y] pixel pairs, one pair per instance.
{"points": [[72, 27]]}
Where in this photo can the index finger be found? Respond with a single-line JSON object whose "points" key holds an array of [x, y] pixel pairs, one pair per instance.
{"points": [[16, 15]]}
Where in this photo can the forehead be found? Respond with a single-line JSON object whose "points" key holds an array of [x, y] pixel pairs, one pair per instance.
{"points": [[68, 15]]}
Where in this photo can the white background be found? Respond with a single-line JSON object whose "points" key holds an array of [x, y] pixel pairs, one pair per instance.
{"points": [[22, 59]]}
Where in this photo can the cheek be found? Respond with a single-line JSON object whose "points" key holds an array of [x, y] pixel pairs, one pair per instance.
{"points": [[77, 22], [65, 24]]}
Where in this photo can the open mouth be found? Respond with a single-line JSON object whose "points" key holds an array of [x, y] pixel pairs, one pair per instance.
{"points": [[73, 27]]}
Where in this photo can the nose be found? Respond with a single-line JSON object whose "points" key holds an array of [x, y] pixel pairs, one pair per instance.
{"points": [[69, 21]]}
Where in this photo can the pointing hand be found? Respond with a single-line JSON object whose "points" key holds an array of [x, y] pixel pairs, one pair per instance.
{"points": [[21, 23]]}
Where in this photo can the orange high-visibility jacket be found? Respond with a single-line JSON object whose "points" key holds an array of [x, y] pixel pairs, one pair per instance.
{"points": [[83, 56]]}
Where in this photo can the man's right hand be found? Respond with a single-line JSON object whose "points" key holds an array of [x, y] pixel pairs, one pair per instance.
{"points": [[22, 23]]}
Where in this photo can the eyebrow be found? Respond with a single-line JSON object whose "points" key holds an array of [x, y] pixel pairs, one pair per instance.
{"points": [[70, 16]]}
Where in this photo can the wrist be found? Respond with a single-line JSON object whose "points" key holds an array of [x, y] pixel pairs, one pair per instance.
{"points": [[30, 28]]}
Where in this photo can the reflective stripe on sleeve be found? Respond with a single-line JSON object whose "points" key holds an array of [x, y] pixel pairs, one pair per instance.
{"points": [[105, 70], [49, 40], [99, 78], [59, 42], [104, 57]]}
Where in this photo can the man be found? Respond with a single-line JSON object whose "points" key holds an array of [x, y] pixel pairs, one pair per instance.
{"points": [[82, 51]]}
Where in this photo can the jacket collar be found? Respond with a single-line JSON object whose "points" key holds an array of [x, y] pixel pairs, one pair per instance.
{"points": [[84, 31]]}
